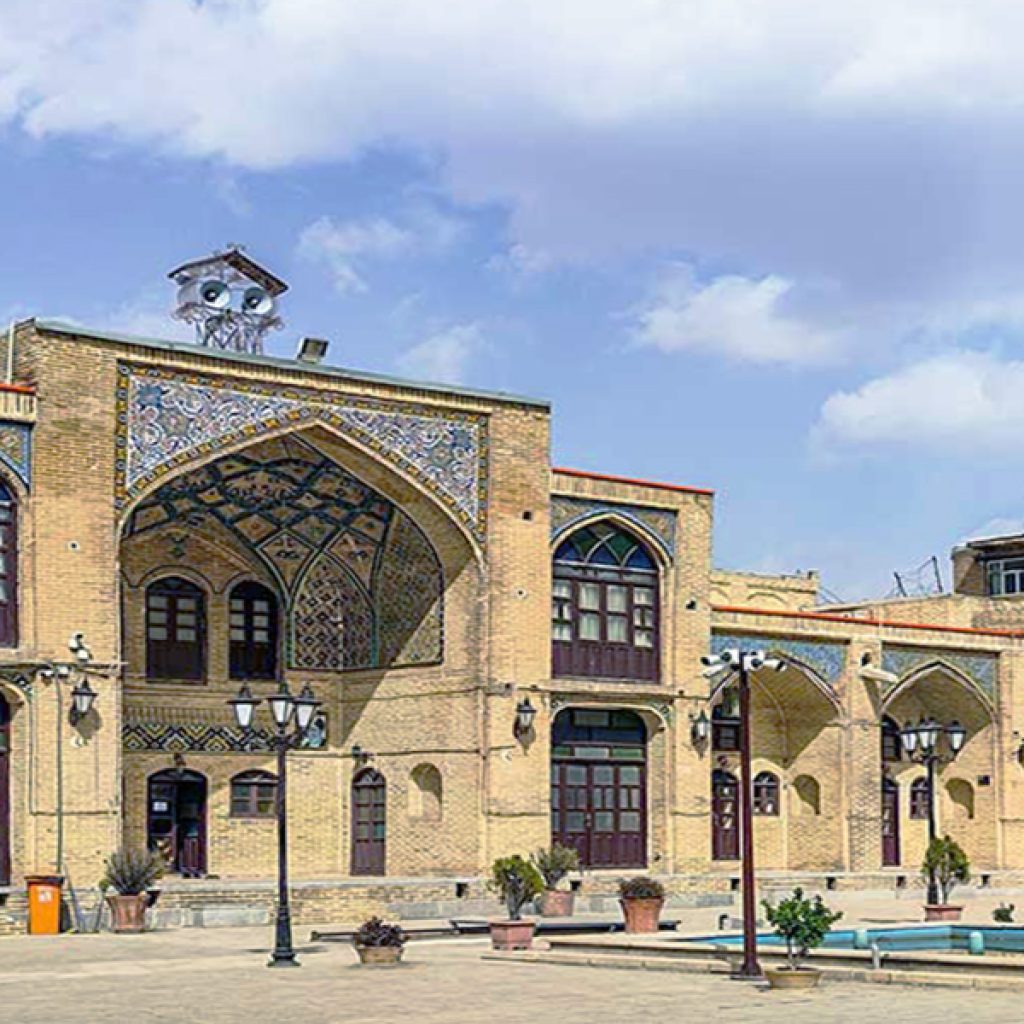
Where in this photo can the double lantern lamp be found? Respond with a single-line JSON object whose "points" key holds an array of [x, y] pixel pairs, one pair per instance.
{"points": [[921, 740]]}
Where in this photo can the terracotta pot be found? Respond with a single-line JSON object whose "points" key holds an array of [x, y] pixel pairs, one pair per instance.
{"points": [[943, 911], [128, 913], [556, 903], [375, 956], [641, 915], [788, 977], [512, 934]]}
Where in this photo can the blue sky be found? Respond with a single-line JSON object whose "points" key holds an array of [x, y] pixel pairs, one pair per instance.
{"points": [[766, 246]]}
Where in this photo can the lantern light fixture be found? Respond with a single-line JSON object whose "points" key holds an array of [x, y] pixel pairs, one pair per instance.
{"points": [[525, 714], [282, 705], [305, 707], [700, 728], [83, 696], [244, 704]]}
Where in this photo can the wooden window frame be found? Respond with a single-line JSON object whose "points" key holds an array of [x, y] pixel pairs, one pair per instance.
{"points": [[249, 785], [241, 662], [917, 801], [9, 564], [159, 650], [767, 795]]}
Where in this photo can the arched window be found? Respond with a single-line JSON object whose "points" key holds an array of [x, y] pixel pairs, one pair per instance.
{"points": [[604, 619], [5, 792], [425, 794], [725, 724], [253, 632], [892, 745], [253, 795], [8, 567], [175, 630], [919, 798], [808, 795], [766, 794]]}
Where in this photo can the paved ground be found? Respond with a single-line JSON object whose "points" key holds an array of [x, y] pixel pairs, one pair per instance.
{"points": [[218, 976]]}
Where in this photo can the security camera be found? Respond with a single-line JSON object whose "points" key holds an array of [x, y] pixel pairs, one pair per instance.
{"points": [[83, 654], [76, 641], [877, 675], [710, 661], [730, 657], [713, 670]]}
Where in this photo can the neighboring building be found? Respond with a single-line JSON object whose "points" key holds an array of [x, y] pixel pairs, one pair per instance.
{"points": [[206, 516]]}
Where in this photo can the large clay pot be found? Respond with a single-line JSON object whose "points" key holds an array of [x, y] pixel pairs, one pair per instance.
{"points": [[128, 913], [641, 915], [376, 956], [788, 977], [556, 903], [943, 911], [512, 934]]}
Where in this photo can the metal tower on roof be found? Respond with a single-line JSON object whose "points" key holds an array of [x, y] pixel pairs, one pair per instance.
{"points": [[230, 300]]}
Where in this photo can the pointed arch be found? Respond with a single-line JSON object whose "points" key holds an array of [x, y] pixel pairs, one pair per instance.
{"points": [[956, 675], [622, 521]]}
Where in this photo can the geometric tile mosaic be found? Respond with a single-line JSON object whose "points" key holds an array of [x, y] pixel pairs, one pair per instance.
{"points": [[211, 738], [825, 658], [166, 419], [16, 450], [980, 668], [660, 521]]}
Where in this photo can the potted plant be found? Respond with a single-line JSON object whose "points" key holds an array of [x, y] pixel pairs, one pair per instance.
{"points": [[554, 863], [517, 881], [379, 943], [945, 864], [803, 924], [641, 900], [130, 873]]}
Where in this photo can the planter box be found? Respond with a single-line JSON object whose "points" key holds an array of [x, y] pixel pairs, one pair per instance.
{"points": [[378, 956], [943, 911], [787, 977], [556, 903], [512, 934], [641, 915], [128, 913]]}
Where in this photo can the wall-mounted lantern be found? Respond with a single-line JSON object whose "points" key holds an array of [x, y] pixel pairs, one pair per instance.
{"points": [[525, 714], [83, 696], [700, 728]]}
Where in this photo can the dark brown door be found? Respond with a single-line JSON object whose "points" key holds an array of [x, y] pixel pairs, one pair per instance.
{"points": [[176, 820], [725, 816], [890, 823], [5, 792], [369, 823], [599, 808]]}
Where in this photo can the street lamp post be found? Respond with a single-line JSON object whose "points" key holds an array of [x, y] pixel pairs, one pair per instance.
{"points": [[742, 663], [286, 711], [921, 742]]}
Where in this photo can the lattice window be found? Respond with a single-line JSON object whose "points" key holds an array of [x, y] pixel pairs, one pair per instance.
{"points": [[766, 794], [253, 795], [175, 630], [252, 630]]}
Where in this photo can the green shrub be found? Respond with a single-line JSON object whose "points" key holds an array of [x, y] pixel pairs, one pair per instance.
{"points": [[554, 863], [641, 888], [803, 923], [1003, 914], [946, 865], [517, 881], [130, 872], [376, 932]]}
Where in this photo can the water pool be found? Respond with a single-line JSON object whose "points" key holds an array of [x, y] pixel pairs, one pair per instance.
{"points": [[957, 937]]}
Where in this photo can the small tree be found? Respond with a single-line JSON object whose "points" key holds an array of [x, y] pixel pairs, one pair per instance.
{"points": [[554, 863], [517, 881], [946, 865], [803, 923]]}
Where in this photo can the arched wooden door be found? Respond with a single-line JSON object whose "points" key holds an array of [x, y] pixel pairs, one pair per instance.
{"points": [[890, 823], [176, 819], [369, 823], [5, 792], [725, 816]]}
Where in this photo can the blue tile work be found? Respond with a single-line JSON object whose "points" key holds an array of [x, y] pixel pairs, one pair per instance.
{"points": [[167, 419], [208, 737], [979, 668], [566, 511], [16, 450], [826, 658]]}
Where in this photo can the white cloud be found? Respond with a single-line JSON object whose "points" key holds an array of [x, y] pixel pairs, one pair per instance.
{"points": [[959, 400], [998, 527], [443, 356], [731, 315]]}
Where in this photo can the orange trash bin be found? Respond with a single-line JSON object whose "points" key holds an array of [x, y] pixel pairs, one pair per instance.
{"points": [[44, 897]]}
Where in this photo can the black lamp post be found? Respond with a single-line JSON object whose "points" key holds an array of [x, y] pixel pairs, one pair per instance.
{"points": [[286, 711], [921, 742], [742, 663]]}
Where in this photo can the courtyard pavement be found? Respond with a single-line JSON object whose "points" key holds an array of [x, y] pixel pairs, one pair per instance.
{"points": [[218, 975]]}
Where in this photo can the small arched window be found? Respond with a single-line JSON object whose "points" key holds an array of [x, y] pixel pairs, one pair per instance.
{"points": [[425, 793], [604, 616], [252, 628], [175, 630], [892, 744], [919, 799], [8, 567], [253, 795], [725, 723], [766, 794]]}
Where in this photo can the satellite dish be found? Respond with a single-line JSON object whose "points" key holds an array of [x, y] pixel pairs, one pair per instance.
{"points": [[257, 300], [214, 293]]}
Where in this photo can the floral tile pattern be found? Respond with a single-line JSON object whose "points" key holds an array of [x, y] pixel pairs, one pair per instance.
{"points": [[825, 658], [567, 511], [979, 668]]}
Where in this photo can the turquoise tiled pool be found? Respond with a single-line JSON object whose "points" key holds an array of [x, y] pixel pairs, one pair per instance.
{"points": [[956, 937]]}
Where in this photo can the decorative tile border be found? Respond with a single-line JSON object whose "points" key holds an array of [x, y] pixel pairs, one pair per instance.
{"points": [[826, 658], [210, 738], [567, 511], [166, 419], [16, 450], [979, 668]]}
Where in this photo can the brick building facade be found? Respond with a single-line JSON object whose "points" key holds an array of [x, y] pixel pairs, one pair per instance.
{"points": [[203, 518]]}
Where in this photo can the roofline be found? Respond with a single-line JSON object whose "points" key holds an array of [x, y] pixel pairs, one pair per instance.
{"points": [[280, 362], [586, 474], [874, 623]]}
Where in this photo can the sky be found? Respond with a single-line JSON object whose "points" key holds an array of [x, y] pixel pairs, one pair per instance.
{"points": [[770, 247]]}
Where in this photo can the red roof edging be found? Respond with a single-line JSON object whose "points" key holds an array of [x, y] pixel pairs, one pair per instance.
{"points": [[629, 480]]}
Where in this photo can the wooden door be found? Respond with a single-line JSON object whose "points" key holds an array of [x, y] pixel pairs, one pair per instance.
{"points": [[725, 816], [369, 823], [176, 820], [600, 809], [5, 792], [890, 823]]}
